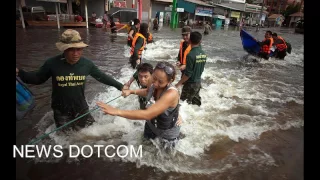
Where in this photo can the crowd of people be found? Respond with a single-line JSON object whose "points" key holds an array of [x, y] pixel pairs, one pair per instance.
{"points": [[158, 97]]}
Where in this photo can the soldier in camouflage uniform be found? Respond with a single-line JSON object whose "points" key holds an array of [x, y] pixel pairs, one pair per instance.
{"points": [[69, 71]]}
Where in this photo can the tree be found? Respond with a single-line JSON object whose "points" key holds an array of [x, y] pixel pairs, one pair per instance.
{"points": [[291, 9]]}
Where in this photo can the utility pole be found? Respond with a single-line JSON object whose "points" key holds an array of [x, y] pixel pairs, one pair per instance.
{"points": [[173, 22], [262, 6]]}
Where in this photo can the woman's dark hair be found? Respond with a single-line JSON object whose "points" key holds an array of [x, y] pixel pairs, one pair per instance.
{"points": [[136, 21], [168, 69], [144, 29]]}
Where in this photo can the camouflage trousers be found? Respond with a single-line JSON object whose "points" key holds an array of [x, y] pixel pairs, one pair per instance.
{"points": [[190, 92]]}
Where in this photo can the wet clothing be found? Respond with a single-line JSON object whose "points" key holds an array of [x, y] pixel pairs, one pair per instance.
{"points": [[281, 50], [113, 27], [142, 100], [265, 49], [138, 45], [280, 54], [196, 60], [190, 92], [155, 24], [149, 38], [207, 27], [263, 55], [68, 84], [164, 125], [135, 30]]}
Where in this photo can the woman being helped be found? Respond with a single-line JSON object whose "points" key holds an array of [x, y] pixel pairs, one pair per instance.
{"points": [[162, 113]]}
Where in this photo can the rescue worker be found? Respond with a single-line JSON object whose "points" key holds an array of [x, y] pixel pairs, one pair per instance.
{"points": [[68, 72], [127, 26], [149, 38], [134, 29], [266, 46], [281, 45], [184, 49], [191, 79], [138, 44], [162, 110]]}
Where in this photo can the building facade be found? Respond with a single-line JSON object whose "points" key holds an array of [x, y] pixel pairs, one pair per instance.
{"points": [[278, 6]]}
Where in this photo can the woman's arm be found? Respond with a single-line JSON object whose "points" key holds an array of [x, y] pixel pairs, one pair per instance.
{"points": [[139, 92], [166, 101]]}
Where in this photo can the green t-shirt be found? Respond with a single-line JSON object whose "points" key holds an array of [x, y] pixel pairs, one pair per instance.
{"points": [[196, 60], [68, 80]]}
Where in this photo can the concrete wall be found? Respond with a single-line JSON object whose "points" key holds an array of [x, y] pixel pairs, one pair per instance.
{"points": [[157, 7], [48, 6], [96, 6], [146, 5]]}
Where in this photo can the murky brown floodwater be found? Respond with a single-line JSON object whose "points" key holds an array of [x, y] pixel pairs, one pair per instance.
{"points": [[251, 124]]}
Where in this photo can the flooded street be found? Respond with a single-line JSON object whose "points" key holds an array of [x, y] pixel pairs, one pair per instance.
{"points": [[250, 125]]}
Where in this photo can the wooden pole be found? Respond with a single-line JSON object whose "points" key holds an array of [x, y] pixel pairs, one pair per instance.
{"points": [[86, 10], [21, 15], [58, 21]]}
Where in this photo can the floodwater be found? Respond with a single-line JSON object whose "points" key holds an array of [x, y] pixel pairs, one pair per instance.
{"points": [[250, 125]]}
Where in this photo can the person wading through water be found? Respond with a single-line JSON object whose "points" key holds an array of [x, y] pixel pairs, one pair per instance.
{"points": [[134, 29], [266, 46], [69, 71], [162, 110], [184, 49], [191, 79], [138, 45]]}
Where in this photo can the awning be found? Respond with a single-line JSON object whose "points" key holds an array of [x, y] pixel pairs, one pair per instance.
{"points": [[219, 17], [167, 1], [199, 3], [228, 7], [58, 1]]}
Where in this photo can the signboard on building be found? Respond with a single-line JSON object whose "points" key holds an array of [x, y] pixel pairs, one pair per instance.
{"points": [[168, 8], [120, 4], [238, 1], [58, 1], [204, 11], [180, 9], [235, 14]]}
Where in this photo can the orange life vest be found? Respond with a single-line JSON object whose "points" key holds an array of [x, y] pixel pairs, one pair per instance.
{"points": [[150, 38], [136, 36], [129, 40], [183, 59], [266, 48], [281, 46]]}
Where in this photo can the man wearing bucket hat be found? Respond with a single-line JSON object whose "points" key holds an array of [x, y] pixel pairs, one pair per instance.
{"points": [[69, 71]]}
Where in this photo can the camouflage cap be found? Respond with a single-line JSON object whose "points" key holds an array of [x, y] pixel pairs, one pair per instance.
{"points": [[186, 30], [70, 39]]}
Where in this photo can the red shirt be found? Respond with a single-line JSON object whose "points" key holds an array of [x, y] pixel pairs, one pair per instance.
{"points": [[78, 18]]}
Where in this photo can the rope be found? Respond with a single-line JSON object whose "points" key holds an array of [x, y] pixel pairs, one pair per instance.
{"points": [[45, 135]]}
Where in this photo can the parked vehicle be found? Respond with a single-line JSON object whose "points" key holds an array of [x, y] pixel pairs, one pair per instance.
{"points": [[36, 13]]}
